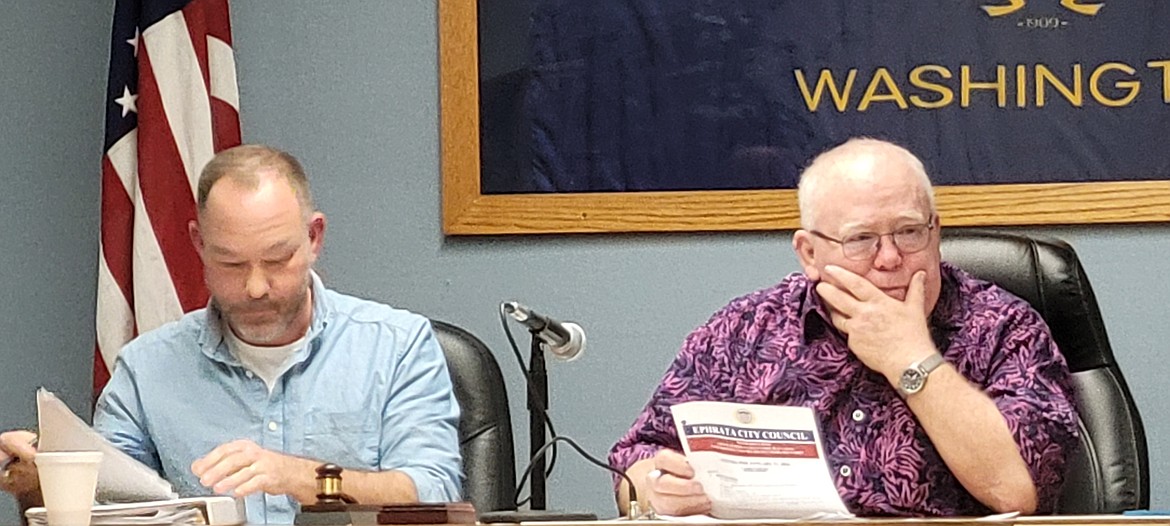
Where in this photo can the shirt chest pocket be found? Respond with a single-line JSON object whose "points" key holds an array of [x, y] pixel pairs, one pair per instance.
{"points": [[348, 439]]}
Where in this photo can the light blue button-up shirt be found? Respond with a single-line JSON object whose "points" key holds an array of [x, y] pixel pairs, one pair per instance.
{"points": [[369, 392]]}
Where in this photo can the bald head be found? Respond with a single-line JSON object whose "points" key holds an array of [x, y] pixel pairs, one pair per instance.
{"points": [[860, 163], [245, 164]]}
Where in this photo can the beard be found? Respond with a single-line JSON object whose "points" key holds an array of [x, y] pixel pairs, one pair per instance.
{"points": [[265, 322]]}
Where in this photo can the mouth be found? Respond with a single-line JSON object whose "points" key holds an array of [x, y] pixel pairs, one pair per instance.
{"points": [[898, 293], [255, 314]]}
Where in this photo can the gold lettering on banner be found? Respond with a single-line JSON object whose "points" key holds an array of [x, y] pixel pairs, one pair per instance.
{"points": [[1133, 85], [934, 86], [1021, 86], [999, 85], [1045, 76], [1083, 9], [1015, 5], [946, 95], [1165, 65], [825, 79], [1001, 10], [882, 76]]}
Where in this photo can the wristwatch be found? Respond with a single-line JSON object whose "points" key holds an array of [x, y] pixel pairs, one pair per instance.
{"points": [[914, 377]]}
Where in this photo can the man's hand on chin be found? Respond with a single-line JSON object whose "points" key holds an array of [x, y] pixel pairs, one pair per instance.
{"points": [[884, 333], [242, 467]]}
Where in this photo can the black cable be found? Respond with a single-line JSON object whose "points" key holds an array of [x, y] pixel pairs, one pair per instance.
{"points": [[552, 462], [590, 458]]}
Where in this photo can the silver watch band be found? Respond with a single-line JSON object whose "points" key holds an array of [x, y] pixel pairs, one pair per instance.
{"points": [[928, 364]]}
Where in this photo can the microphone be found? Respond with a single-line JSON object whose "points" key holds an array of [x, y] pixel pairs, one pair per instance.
{"points": [[565, 340]]}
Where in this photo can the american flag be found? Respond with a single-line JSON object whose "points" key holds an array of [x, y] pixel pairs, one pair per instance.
{"points": [[171, 103]]}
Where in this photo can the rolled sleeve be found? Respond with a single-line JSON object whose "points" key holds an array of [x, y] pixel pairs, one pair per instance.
{"points": [[421, 419], [121, 419]]}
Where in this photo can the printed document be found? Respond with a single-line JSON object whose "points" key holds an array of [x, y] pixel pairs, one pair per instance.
{"points": [[758, 461], [121, 478]]}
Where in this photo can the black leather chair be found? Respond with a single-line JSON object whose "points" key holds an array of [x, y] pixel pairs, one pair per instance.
{"points": [[485, 424], [1110, 473]]}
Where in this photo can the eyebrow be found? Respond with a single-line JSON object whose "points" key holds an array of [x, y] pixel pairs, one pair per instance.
{"points": [[280, 246], [911, 216]]}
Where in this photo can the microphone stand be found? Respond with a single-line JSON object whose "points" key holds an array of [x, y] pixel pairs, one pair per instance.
{"points": [[537, 435], [537, 438]]}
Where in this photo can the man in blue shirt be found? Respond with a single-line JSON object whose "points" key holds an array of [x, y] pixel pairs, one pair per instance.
{"points": [[278, 374]]}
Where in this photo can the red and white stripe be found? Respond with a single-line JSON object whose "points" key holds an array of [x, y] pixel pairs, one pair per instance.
{"points": [[188, 109]]}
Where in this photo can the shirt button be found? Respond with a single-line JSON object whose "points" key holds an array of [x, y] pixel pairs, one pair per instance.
{"points": [[249, 374], [845, 471], [272, 426], [858, 415]]}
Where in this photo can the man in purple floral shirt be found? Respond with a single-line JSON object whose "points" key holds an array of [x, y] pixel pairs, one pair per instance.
{"points": [[936, 393]]}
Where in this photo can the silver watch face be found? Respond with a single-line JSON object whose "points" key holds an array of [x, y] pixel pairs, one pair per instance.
{"points": [[912, 381]]}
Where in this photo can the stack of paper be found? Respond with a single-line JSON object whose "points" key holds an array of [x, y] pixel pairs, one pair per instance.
{"points": [[215, 511]]}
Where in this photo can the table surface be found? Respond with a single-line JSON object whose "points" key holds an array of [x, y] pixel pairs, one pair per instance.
{"points": [[1049, 520]]}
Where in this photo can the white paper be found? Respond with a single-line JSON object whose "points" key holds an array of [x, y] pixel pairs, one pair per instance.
{"points": [[758, 461], [121, 478], [707, 519], [214, 511]]}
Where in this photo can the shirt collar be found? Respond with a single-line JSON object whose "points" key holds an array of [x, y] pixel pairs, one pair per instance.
{"points": [[815, 314], [214, 345]]}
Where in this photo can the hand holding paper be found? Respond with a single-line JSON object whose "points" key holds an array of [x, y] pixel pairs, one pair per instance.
{"points": [[758, 461], [672, 488]]}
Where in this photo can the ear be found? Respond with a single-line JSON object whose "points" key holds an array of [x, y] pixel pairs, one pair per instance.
{"points": [[316, 234], [196, 237], [802, 244]]}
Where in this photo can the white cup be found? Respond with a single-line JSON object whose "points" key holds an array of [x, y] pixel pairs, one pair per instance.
{"points": [[68, 481]]}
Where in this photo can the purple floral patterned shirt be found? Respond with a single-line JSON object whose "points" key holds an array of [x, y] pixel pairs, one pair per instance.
{"points": [[775, 346]]}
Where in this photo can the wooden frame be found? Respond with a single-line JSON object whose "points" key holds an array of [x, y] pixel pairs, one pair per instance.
{"points": [[467, 211]]}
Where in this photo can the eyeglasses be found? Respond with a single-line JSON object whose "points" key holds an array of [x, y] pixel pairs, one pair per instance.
{"points": [[862, 246]]}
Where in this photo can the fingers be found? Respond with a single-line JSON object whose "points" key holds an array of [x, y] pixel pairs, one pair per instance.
{"points": [[674, 491], [673, 495], [855, 285], [837, 300], [243, 482], [673, 462], [19, 473], [228, 466], [202, 465], [242, 467], [669, 484], [838, 320], [17, 444], [916, 292]]}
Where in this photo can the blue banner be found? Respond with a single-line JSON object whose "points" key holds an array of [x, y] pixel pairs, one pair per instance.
{"points": [[636, 95]]}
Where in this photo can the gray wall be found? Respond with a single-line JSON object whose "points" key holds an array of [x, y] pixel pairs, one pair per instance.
{"points": [[53, 68], [354, 93]]}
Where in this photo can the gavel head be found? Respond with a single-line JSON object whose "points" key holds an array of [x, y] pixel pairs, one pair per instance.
{"points": [[329, 485]]}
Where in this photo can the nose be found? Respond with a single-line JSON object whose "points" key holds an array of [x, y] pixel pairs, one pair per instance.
{"points": [[888, 256], [257, 283]]}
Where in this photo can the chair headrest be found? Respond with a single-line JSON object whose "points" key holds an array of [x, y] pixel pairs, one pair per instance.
{"points": [[1047, 274]]}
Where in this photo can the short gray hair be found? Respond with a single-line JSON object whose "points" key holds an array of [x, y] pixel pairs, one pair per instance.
{"points": [[242, 163], [834, 160]]}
